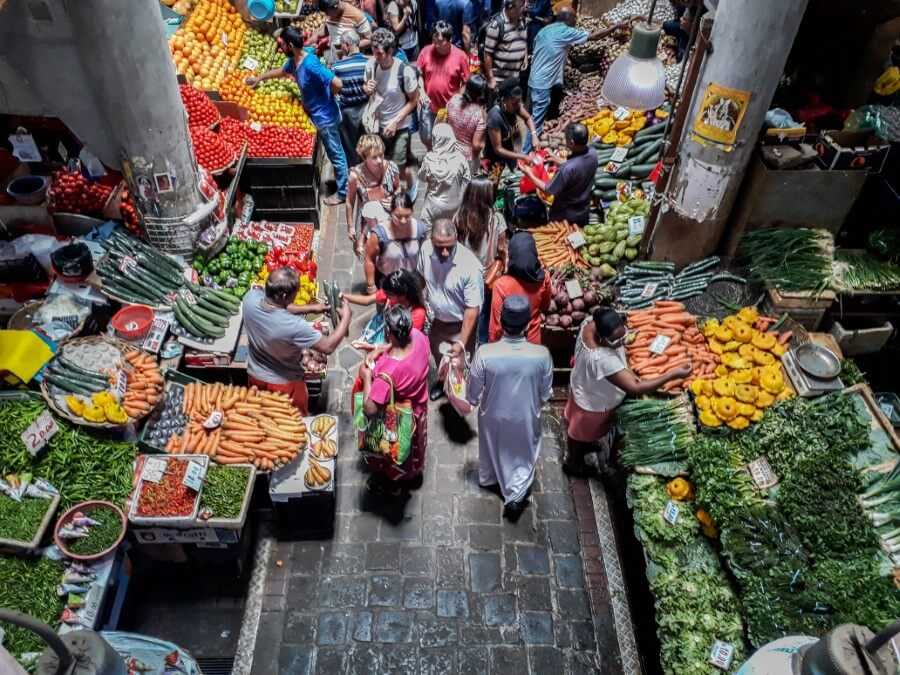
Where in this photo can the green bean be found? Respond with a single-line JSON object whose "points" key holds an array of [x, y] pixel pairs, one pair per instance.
{"points": [[21, 520], [223, 490], [28, 585], [100, 537]]}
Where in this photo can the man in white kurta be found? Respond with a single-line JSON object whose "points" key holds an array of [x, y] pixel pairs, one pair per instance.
{"points": [[510, 380]]}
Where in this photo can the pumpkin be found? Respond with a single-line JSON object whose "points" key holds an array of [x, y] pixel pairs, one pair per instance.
{"points": [[708, 419], [680, 489], [763, 358], [710, 327], [747, 410], [725, 408], [742, 376], [731, 346], [721, 370], [779, 349], [785, 395], [722, 386], [729, 321], [702, 402], [757, 416], [771, 380], [764, 399], [745, 393], [742, 332], [748, 315], [724, 334], [739, 422], [715, 346], [747, 351], [764, 341], [696, 387]]}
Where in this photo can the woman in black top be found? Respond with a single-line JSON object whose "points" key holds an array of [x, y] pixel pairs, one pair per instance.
{"points": [[503, 128]]}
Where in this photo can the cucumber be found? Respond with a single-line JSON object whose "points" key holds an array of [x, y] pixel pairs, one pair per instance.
{"points": [[212, 317], [90, 384], [68, 385], [641, 170], [184, 320], [606, 183], [197, 324], [648, 151], [79, 372], [214, 302], [151, 296], [624, 169], [225, 297], [654, 130]]}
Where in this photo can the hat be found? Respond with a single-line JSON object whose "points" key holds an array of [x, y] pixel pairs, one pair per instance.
{"points": [[516, 313]]}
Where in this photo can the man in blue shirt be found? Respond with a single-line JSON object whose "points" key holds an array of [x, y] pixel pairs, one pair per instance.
{"points": [[463, 15], [352, 72], [319, 88], [551, 47]]}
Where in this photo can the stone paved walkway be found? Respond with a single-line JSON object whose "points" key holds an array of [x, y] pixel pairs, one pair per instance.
{"points": [[451, 587]]}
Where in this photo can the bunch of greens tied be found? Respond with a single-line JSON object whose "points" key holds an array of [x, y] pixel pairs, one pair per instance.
{"points": [[656, 430], [789, 259]]}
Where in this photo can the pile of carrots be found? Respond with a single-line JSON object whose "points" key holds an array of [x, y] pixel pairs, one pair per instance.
{"points": [[553, 247], [262, 428], [145, 384], [687, 344]]}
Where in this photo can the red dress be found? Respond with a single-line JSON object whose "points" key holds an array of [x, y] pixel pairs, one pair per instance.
{"points": [[538, 295]]}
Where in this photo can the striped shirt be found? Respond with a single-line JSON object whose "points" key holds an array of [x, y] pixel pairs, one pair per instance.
{"points": [[507, 46], [352, 71], [351, 18]]}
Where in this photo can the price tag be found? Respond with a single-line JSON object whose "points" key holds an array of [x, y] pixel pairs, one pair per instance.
{"points": [[621, 113], [121, 384], [887, 409], [250, 63], [619, 154], [576, 240], [39, 432], [573, 288], [659, 344], [649, 290], [214, 419], [611, 167], [188, 296], [154, 469], [224, 38], [670, 513], [721, 655], [193, 477], [156, 335], [128, 264], [24, 148], [256, 126], [636, 225], [762, 474]]}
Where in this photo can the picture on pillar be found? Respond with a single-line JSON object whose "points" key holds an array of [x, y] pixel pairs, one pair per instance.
{"points": [[720, 116], [163, 182]]}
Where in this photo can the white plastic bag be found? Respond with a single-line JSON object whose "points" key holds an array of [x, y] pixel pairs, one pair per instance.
{"points": [[453, 371]]}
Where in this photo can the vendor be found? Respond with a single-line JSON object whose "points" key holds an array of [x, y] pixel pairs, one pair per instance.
{"points": [[599, 382], [572, 183], [277, 334]]}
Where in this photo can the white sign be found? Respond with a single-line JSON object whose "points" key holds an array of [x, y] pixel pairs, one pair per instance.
{"points": [[256, 126], [636, 225], [659, 344], [24, 148], [154, 469], [121, 384], [619, 154], [39, 432], [721, 655], [193, 477], [762, 474], [214, 420], [188, 297], [576, 240], [649, 290], [128, 264], [573, 288], [670, 513], [250, 63], [621, 113]]}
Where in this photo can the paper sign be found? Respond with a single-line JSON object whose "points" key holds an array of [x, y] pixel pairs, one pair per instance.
{"points": [[576, 240], [128, 264], [121, 384], [887, 409], [188, 297], [611, 167], [214, 420], [24, 148], [193, 477], [721, 655], [659, 344], [154, 469], [256, 126], [250, 63], [720, 115], [573, 288], [670, 513], [649, 290], [39, 432], [619, 154], [621, 113], [636, 225], [762, 474]]}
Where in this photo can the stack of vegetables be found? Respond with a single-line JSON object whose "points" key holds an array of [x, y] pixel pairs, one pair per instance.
{"points": [[208, 44], [749, 377], [554, 246], [644, 150], [860, 271], [644, 282], [792, 260], [881, 501], [138, 273], [656, 431], [223, 491], [234, 268], [261, 48], [29, 585], [609, 243], [205, 313], [568, 312], [684, 344], [264, 107], [267, 140]]}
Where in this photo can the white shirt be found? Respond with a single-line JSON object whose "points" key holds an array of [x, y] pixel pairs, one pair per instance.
{"points": [[591, 389], [394, 85], [454, 285]]}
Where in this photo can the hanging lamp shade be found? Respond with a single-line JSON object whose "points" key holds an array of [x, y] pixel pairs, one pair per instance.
{"points": [[637, 79]]}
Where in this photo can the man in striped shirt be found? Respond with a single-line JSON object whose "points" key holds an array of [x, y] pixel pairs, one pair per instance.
{"points": [[352, 71], [506, 44], [341, 16]]}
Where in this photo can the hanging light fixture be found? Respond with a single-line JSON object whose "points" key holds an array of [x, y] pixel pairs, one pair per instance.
{"points": [[637, 79]]}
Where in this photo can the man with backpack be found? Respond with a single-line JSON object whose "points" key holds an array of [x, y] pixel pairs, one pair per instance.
{"points": [[505, 43]]}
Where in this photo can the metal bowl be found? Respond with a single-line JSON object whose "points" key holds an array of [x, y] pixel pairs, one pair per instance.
{"points": [[817, 361]]}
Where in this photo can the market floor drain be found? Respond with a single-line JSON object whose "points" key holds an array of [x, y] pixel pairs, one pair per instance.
{"points": [[215, 665]]}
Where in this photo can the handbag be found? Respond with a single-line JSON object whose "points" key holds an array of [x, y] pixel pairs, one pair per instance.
{"points": [[453, 370], [493, 272], [388, 434]]}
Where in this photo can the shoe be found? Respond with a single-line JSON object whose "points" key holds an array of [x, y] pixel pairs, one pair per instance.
{"points": [[436, 393], [334, 200], [514, 510]]}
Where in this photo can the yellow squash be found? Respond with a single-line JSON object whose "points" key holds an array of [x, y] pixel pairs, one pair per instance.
{"points": [[725, 408]]}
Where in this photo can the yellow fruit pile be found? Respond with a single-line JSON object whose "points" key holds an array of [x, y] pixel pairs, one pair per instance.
{"points": [[263, 107], [610, 130], [208, 44], [748, 380]]}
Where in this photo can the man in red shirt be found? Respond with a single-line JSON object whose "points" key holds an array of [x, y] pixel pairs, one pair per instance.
{"points": [[445, 67]]}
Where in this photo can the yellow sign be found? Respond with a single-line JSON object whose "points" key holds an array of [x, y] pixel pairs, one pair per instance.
{"points": [[720, 116]]}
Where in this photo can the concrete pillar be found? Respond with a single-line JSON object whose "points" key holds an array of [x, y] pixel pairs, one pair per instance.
{"points": [[750, 45]]}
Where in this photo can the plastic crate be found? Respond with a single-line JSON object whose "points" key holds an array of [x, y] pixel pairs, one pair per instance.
{"points": [[865, 339], [235, 523], [20, 546], [185, 520]]}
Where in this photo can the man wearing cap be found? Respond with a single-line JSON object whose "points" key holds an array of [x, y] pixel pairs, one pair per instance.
{"points": [[510, 380]]}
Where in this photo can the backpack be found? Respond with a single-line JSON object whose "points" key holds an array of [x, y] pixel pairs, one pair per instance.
{"points": [[424, 102], [482, 32]]}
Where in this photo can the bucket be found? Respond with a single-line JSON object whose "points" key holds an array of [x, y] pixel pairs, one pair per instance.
{"points": [[28, 190], [261, 10]]}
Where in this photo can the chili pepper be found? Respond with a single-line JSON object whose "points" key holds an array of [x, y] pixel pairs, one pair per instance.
{"points": [[169, 497]]}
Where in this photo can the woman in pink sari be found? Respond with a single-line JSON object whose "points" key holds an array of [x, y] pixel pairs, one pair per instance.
{"points": [[404, 359]]}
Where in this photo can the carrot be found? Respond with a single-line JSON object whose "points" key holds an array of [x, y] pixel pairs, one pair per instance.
{"points": [[230, 460], [670, 304], [231, 446], [678, 317], [231, 423]]}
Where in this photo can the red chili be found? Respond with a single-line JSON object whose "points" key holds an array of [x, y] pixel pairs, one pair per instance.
{"points": [[169, 497]]}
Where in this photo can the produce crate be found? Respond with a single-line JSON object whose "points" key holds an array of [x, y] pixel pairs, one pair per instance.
{"points": [[174, 521], [277, 171], [19, 546], [145, 446], [866, 340], [234, 523], [806, 309], [851, 150], [285, 197]]}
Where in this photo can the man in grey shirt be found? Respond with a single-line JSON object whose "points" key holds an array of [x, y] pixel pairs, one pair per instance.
{"points": [[277, 334]]}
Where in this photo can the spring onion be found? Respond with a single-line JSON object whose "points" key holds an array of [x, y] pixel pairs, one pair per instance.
{"points": [[655, 430], [790, 259]]}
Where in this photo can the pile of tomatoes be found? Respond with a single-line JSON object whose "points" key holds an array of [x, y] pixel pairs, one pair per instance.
{"points": [[71, 192], [213, 152], [200, 110], [269, 141]]}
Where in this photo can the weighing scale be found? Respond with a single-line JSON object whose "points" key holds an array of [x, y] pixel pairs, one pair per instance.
{"points": [[805, 384]]}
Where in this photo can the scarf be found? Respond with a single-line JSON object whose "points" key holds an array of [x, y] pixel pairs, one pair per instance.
{"points": [[445, 161], [523, 259]]}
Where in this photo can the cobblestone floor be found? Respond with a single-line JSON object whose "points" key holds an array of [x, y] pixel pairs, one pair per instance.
{"points": [[451, 587]]}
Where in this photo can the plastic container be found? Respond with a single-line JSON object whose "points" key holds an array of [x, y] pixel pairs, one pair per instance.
{"points": [[889, 403], [261, 10], [133, 322], [87, 508], [28, 190], [186, 520]]}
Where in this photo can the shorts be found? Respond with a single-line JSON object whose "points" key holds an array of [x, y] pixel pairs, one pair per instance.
{"points": [[396, 149]]}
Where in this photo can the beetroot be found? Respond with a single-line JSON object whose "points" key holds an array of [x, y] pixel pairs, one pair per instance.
{"points": [[578, 317], [551, 308], [590, 299], [596, 274], [565, 321], [568, 309], [552, 320], [562, 298], [578, 305]]}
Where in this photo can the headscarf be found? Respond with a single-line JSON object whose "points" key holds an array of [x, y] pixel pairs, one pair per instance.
{"points": [[523, 259], [445, 161]]}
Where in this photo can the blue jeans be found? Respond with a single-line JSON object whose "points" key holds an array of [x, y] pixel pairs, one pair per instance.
{"points": [[540, 102], [331, 142]]}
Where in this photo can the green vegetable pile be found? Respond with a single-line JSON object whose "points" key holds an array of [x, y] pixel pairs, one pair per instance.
{"points": [[223, 490], [859, 271], [28, 585], [806, 556], [81, 466], [610, 242], [850, 373], [100, 537], [791, 260], [21, 520], [235, 267], [655, 430], [695, 605]]}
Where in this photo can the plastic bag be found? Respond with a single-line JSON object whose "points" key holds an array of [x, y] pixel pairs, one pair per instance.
{"points": [[453, 371], [778, 118], [540, 171]]}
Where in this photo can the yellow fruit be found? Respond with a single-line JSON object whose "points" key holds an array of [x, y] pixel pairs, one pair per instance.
{"points": [[747, 351], [723, 386], [764, 399], [721, 370], [734, 360], [754, 376], [764, 341], [725, 408], [702, 402], [746, 409], [763, 358], [715, 346], [707, 419], [779, 349], [729, 321], [724, 334], [710, 327], [748, 315], [757, 416], [708, 388], [772, 381], [746, 393], [731, 346], [742, 376], [697, 387], [785, 395], [742, 332], [739, 422]]}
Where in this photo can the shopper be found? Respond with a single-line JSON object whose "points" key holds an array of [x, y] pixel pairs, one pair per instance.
{"points": [[319, 88], [277, 334], [396, 84], [503, 128], [351, 69], [526, 277], [374, 179], [573, 181], [505, 44], [402, 18], [444, 173], [400, 373], [402, 288], [600, 380], [454, 285], [444, 67], [462, 15], [468, 119], [482, 230], [395, 245], [341, 16], [551, 47], [509, 381]]}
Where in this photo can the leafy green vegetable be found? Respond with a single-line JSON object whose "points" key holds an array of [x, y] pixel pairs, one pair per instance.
{"points": [[21, 520], [100, 537], [28, 585], [796, 259], [656, 430], [850, 373]]}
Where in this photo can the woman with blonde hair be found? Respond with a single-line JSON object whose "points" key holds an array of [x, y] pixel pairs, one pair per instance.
{"points": [[373, 179]]}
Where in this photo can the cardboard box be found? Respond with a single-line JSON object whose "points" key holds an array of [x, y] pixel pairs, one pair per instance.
{"points": [[851, 150]]}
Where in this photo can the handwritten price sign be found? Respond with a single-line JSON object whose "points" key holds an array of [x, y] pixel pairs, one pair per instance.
{"points": [[41, 430]]}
